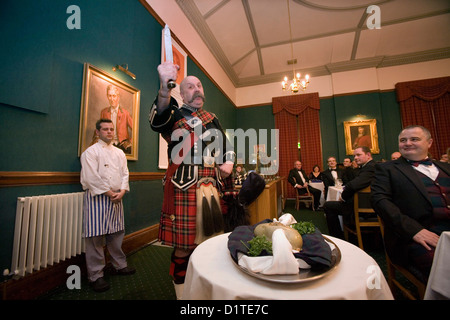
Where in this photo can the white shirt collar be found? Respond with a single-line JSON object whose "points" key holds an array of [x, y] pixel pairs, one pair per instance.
{"points": [[103, 143]]}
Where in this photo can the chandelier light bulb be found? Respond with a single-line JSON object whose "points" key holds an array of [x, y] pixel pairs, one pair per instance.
{"points": [[296, 83]]}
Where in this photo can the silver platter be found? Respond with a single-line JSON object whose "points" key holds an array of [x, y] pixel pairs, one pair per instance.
{"points": [[304, 275]]}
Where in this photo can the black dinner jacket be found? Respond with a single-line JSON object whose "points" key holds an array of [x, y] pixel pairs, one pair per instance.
{"points": [[294, 177], [349, 174], [362, 180], [400, 198]]}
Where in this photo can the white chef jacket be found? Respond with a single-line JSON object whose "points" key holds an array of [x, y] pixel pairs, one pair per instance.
{"points": [[104, 167]]}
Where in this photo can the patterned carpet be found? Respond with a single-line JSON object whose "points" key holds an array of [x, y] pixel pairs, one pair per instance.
{"points": [[152, 281]]}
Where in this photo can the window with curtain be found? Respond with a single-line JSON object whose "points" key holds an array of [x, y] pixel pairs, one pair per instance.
{"points": [[297, 119], [427, 103]]}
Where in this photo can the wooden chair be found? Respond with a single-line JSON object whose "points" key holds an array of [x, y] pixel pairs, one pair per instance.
{"points": [[306, 198], [393, 282], [283, 193], [370, 219]]}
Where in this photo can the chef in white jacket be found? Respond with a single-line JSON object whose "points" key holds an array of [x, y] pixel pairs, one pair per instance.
{"points": [[104, 177]]}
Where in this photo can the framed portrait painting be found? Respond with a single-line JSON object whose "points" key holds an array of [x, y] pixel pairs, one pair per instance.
{"points": [[361, 133], [107, 97]]}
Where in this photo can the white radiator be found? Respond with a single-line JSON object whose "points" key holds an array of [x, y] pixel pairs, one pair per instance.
{"points": [[48, 230]]}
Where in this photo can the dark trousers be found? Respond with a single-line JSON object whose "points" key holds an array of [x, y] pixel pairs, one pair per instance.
{"points": [[315, 192], [332, 211]]}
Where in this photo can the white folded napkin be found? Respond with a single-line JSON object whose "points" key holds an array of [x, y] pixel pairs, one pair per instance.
{"points": [[281, 262], [287, 219]]}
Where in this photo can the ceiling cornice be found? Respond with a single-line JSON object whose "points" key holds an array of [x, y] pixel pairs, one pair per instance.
{"points": [[199, 23], [375, 62]]}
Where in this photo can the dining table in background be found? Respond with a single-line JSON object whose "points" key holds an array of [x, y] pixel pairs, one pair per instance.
{"points": [[321, 187], [213, 275], [334, 193]]}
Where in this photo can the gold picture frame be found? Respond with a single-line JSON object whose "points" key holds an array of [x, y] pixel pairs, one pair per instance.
{"points": [[361, 133], [95, 104]]}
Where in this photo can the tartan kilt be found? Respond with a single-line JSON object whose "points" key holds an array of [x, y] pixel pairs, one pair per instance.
{"points": [[179, 230]]}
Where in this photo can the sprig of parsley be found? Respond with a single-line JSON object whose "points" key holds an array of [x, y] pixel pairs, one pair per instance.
{"points": [[257, 245], [304, 227]]}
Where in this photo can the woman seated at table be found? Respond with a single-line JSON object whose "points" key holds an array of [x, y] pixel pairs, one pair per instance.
{"points": [[316, 174]]}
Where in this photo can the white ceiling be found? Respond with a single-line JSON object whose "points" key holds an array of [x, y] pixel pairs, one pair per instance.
{"points": [[251, 41]]}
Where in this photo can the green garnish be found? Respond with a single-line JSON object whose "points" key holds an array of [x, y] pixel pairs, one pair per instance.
{"points": [[304, 227], [257, 245]]}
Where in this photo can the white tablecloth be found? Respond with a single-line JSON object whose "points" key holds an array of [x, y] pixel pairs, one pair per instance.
{"points": [[334, 193], [438, 286], [212, 274], [319, 186]]}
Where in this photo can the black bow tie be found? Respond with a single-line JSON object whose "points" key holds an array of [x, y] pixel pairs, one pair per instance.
{"points": [[332, 169], [426, 162]]}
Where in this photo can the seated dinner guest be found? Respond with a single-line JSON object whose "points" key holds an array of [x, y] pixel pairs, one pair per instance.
{"points": [[411, 195], [298, 179], [330, 175], [316, 175], [395, 155], [344, 206], [349, 171]]}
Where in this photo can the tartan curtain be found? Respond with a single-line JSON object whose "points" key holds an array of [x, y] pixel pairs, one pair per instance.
{"points": [[427, 103], [297, 116]]}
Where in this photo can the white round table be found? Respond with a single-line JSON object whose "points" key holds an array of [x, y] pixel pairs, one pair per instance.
{"points": [[213, 275]]}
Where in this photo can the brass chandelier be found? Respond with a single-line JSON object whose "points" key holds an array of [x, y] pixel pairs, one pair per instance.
{"points": [[297, 81]]}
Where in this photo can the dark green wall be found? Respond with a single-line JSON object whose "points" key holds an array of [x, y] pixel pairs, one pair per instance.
{"points": [[327, 115], [255, 118], [381, 106], [34, 33]]}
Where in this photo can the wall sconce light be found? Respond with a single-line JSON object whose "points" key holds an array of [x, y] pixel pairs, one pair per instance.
{"points": [[124, 68], [360, 117]]}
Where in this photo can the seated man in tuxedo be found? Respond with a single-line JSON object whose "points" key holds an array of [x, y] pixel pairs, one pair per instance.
{"points": [[344, 206], [411, 195], [349, 172], [299, 180], [331, 174]]}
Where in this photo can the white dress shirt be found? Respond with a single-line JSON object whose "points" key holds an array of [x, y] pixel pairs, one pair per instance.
{"points": [[334, 174], [301, 177], [431, 172]]}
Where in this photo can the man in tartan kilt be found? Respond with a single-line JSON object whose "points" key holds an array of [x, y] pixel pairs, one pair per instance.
{"points": [[192, 165]]}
